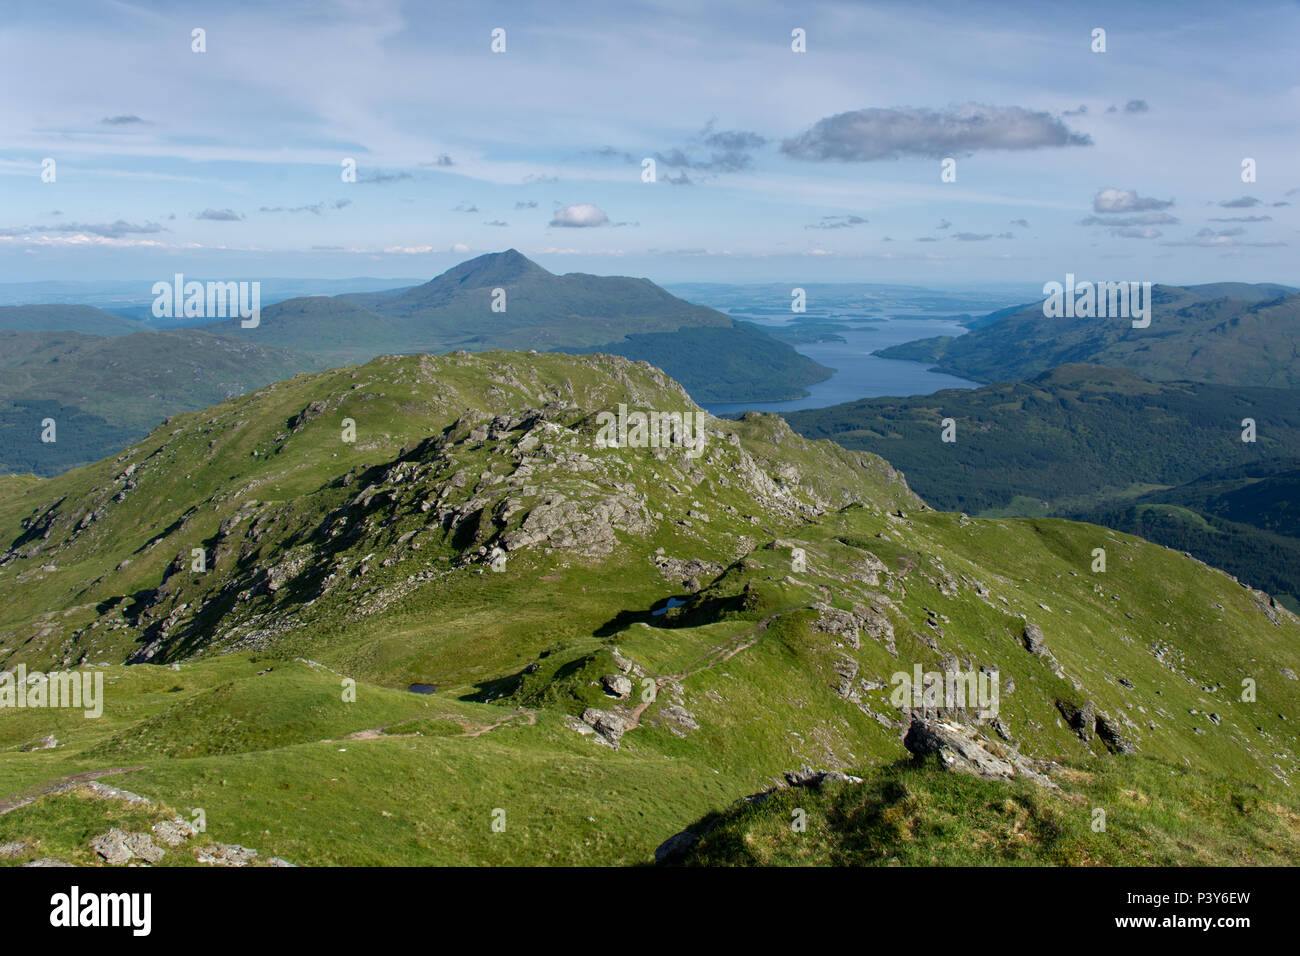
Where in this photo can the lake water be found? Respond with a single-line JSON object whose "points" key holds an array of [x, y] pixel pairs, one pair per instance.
{"points": [[858, 373]]}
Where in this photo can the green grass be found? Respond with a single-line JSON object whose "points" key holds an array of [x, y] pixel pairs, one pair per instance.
{"points": [[267, 746], [1152, 814]]}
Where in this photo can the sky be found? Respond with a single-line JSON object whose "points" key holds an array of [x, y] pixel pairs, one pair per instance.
{"points": [[769, 164]]}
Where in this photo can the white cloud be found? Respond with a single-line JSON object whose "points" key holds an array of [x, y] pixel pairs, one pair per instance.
{"points": [[580, 216]]}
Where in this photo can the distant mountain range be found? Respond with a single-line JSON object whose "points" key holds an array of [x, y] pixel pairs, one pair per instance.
{"points": [[1229, 333], [716, 357], [66, 318], [107, 379]]}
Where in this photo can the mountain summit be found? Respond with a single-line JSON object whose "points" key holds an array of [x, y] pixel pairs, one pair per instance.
{"points": [[490, 269], [714, 356]]}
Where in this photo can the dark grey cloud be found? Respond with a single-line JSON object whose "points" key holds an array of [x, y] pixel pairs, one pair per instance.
{"points": [[711, 150], [1245, 202], [730, 150], [219, 215], [735, 140], [126, 119], [1112, 200], [719, 161], [872, 134], [837, 222], [1136, 106]]}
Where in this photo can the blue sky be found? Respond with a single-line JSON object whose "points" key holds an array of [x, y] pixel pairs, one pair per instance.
{"points": [[771, 164]]}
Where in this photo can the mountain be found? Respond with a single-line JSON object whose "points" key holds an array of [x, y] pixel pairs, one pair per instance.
{"points": [[1265, 494], [1102, 445], [576, 312], [1073, 432], [106, 392], [611, 644], [66, 318], [1229, 341], [1242, 519]]}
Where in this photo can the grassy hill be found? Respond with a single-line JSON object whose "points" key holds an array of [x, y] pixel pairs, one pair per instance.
{"points": [[376, 560], [66, 318], [576, 313], [1107, 446], [905, 815], [105, 392], [1241, 519], [1265, 494], [1229, 341], [1074, 432]]}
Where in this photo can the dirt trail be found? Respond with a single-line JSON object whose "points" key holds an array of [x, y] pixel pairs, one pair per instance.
{"points": [[471, 729], [711, 658]]}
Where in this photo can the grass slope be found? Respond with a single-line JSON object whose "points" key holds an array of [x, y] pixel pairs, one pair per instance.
{"points": [[369, 561], [1107, 446], [105, 392]]}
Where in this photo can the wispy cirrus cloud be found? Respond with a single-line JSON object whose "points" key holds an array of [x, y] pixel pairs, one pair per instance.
{"points": [[837, 222], [316, 209], [1147, 219], [110, 230], [380, 177]]}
